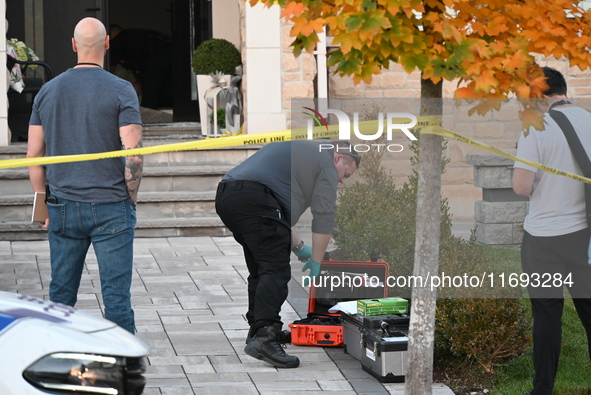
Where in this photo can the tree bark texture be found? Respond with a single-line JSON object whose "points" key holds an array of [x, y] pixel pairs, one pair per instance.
{"points": [[419, 376]]}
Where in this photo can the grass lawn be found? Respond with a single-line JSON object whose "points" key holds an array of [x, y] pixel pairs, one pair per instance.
{"points": [[574, 371]]}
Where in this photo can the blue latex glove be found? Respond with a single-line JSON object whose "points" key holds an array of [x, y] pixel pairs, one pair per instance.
{"points": [[305, 253], [314, 271]]}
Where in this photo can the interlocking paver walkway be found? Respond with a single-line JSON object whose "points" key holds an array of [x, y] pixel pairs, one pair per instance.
{"points": [[189, 297]]}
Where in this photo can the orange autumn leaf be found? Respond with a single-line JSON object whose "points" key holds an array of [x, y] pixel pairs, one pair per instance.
{"points": [[517, 61], [496, 27], [450, 31], [531, 117], [293, 9], [474, 69], [523, 91], [393, 8], [489, 47], [306, 27], [485, 82], [465, 93], [483, 50], [347, 42]]}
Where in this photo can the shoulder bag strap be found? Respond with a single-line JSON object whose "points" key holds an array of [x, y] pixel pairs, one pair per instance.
{"points": [[578, 153], [573, 141]]}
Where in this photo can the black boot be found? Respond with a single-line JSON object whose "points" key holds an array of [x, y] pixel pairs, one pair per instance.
{"points": [[283, 337], [265, 346]]}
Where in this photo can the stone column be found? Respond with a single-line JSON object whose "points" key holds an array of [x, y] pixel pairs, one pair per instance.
{"points": [[263, 69], [500, 214]]}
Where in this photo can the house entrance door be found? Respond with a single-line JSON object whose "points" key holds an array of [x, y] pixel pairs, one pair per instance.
{"points": [[58, 27], [48, 27]]}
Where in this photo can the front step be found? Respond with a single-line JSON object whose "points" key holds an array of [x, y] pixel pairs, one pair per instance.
{"points": [[160, 227], [21, 231], [186, 227], [175, 205], [15, 208], [227, 156], [151, 205], [182, 178], [15, 182], [13, 151], [160, 214], [176, 130]]}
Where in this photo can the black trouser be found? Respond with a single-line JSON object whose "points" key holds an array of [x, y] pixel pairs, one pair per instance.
{"points": [[566, 254], [254, 216]]}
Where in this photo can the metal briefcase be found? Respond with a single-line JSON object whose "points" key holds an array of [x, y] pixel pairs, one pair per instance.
{"points": [[384, 354]]}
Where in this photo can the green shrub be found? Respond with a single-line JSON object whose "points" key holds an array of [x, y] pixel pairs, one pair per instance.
{"points": [[216, 55], [489, 330], [376, 217], [221, 118]]}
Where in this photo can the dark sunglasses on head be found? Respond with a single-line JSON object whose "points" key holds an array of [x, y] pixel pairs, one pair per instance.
{"points": [[353, 155]]}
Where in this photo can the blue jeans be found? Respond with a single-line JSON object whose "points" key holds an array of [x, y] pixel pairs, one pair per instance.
{"points": [[110, 229]]}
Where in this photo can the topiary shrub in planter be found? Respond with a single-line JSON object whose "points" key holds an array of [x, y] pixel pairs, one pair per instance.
{"points": [[214, 62], [216, 55]]}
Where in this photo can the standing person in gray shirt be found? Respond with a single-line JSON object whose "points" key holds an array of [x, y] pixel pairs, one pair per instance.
{"points": [[556, 233], [88, 110], [260, 201]]}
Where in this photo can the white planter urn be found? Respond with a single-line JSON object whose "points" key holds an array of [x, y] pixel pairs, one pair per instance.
{"points": [[205, 88]]}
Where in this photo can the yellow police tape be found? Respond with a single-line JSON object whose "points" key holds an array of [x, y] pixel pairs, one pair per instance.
{"points": [[208, 143], [230, 141], [448, 134], [425, 125]]}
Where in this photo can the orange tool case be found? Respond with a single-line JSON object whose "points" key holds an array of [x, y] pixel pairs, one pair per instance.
{"points": [[338, 281]]}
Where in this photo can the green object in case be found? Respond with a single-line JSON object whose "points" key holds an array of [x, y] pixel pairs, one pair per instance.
{"points": [[382, 306]]}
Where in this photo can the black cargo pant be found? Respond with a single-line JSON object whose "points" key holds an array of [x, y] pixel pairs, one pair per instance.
{"points": [[253, 215], [552, 260]]}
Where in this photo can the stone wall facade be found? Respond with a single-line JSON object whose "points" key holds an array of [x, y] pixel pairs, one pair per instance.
{"points": [[297, 74], [500, 129]]}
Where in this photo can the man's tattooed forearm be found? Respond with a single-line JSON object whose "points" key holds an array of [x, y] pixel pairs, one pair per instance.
{"points": [[140, 144], [133, 173]]}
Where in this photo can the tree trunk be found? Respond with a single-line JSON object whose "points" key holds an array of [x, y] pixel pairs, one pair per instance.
{"points": [[419, 376]]}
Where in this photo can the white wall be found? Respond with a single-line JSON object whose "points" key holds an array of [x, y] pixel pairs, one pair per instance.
{"points": [[4, 138], [226, 21]]}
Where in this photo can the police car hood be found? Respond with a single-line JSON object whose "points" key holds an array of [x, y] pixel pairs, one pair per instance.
{"points": [[16, 307]]}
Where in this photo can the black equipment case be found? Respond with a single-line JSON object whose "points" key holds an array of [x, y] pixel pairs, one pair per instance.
{"points": [[356, 326], [384, 352]]}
